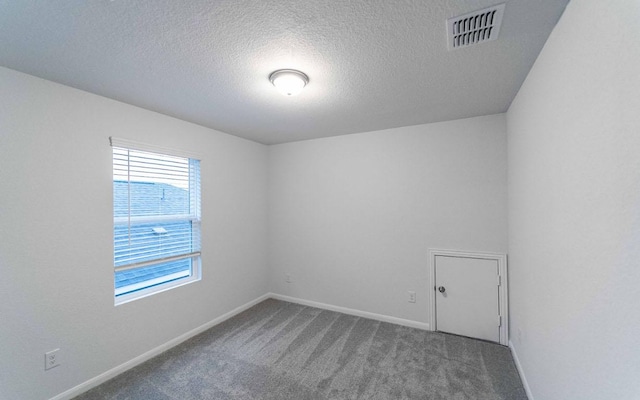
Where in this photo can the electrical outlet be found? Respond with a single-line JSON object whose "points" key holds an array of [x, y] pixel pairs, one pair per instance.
{"points": [[287, 278], [412, 297], [51, 359]]}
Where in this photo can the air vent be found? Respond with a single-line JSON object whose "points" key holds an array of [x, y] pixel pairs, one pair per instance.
{"points": [[476, 27]]}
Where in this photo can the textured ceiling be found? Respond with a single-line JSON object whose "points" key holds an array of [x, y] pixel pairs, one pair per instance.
{"points": [[372, 64]]}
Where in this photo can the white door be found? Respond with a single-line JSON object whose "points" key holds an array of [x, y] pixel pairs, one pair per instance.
{"points": [[467, 298]]}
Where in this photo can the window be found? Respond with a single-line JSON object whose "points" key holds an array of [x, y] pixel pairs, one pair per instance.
{"points": [[156, 218]]}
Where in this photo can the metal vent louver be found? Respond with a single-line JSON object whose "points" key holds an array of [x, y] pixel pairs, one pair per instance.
{"points": [[476, 27]]}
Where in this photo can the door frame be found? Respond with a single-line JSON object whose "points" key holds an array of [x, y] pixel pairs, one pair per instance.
{"points": [[503, 290]]}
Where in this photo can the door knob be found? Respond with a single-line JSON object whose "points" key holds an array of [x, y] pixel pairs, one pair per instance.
{"points": [[441, 289]]}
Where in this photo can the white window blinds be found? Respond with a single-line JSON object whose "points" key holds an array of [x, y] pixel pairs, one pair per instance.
{"points": [[156, 208]]}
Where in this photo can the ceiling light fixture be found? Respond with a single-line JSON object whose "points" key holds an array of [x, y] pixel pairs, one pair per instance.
{"points": [[289, 82]]}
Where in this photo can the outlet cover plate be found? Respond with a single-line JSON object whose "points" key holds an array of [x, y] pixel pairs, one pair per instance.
{"points": [[51, 359], [412, 297]]}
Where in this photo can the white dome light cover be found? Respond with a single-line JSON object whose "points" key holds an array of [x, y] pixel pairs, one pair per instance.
{"points": [[289, 82]]}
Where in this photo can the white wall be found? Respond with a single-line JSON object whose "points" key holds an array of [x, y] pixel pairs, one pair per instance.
{"points": [[351, 218], [56, 238], [574, 208]]}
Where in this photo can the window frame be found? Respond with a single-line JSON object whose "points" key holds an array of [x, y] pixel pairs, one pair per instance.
{"points": [[194, 217]]}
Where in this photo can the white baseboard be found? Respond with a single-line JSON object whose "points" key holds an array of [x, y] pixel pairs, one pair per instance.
{"points": [[93, 382], [520, 371], [351, 311]]}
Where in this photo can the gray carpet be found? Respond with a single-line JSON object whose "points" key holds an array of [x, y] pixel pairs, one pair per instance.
{"points": [[278, 350]]}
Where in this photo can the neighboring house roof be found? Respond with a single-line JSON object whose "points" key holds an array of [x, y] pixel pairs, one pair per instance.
{"points": [[149, 199]]}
